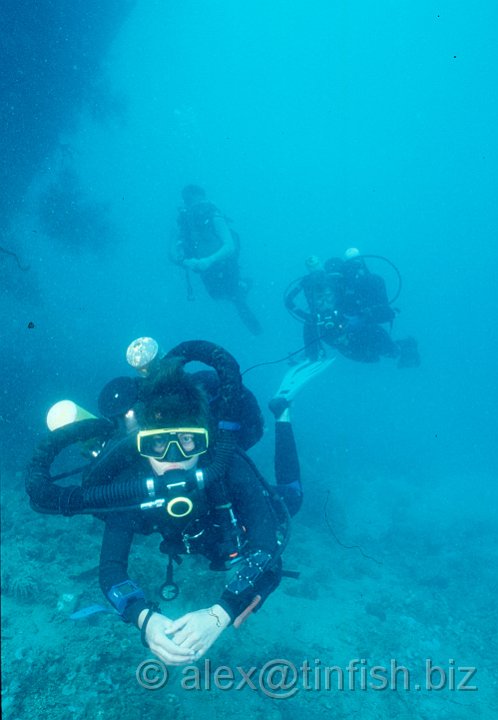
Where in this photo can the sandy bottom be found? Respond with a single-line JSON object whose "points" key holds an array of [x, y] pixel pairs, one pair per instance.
{"points": [[417, 599]]}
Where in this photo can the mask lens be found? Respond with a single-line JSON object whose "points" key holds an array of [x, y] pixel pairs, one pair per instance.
{"points": [[157, 444], [153, 446], [192, 443]]}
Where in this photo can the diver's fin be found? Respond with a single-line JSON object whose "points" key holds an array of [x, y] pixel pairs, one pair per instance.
{"points": [[91, 610], [247, 316], [298, 375]]}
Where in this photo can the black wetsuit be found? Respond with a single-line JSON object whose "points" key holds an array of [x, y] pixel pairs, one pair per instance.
{"points": [[287, 468], [252, 507]]}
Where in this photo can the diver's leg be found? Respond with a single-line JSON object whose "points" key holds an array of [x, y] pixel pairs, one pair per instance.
{"points": [[382, 342], [237, 290], [287, 468], [247, 316], [406, 350], [223, 283]]}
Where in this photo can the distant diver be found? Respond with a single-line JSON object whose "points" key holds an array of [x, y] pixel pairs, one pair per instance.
{"points": [[345, 305], [206, 245]]}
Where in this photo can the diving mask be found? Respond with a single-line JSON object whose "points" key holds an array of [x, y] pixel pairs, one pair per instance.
{"points": [[160, 443]]}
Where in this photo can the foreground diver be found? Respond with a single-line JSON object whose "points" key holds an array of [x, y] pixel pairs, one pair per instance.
{"points": [[345, 307], [207, 246], [179, 473]]}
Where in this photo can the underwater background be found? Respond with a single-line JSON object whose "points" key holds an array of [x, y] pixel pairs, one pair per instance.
{"points": [[315, 126]]}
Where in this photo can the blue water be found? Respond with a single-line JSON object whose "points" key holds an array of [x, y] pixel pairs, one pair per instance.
{"points": [[315, 126]]}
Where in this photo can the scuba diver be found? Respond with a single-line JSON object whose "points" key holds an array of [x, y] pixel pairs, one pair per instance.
{"points": [[345, 307], [206, 245], [170, 466]]}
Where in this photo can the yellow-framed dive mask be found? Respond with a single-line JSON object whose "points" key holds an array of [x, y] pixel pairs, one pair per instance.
{"points": [[164, 443]]}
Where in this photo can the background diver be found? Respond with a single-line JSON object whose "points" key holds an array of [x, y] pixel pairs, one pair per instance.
{"points": [[344, 305], [207, 245], [179, 473]]}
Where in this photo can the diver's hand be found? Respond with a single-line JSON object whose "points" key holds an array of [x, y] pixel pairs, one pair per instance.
{"points": [[198, 265], [156, 634], [198, 630]]}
